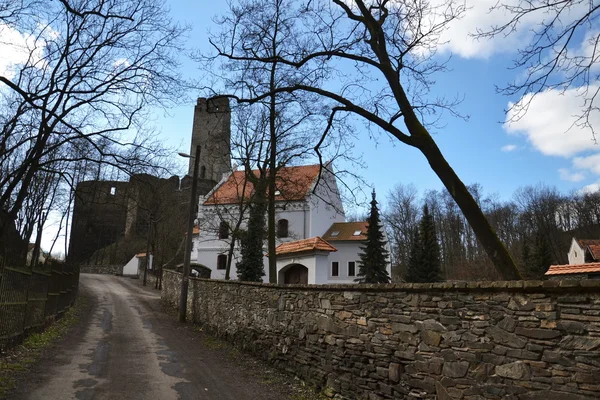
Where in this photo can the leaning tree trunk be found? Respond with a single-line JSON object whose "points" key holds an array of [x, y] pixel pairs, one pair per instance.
{"points": [[486, 235]]}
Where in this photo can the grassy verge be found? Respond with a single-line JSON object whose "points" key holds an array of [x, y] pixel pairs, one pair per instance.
{"points": [[19, 360]]}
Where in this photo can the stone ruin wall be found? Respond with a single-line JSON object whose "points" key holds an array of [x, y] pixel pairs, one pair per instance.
{"points": [[467, 340]]}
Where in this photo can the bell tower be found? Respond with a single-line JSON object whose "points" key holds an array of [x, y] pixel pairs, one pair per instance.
{"points": [[212, 131]]}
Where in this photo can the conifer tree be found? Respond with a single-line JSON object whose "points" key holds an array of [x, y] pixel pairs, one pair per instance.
{"points": [[374, 256], [414, 260], [251, 267], [424, 265], [540, 259]]}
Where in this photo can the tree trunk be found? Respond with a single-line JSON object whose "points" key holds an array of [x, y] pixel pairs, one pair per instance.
{"points": [[486, 235]]}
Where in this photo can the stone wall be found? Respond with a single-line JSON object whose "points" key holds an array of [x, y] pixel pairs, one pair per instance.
{"points": [[101, 269], [478, 340]]}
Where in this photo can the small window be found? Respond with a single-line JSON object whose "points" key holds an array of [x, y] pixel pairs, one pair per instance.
{"points": [[278, 193], [282, 228], [335, 268], [113, 191], [575, 253], [223, 230], [221, 261], [335, 233], [203, 172], [356, 233], [351, 268]]}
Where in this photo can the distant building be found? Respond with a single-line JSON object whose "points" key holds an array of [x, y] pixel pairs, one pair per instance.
{"points": [[314, 244], [584, 261], [584, 251]]}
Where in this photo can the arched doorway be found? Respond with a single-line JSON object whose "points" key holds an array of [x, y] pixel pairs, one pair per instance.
{"points": [[295, 273]]}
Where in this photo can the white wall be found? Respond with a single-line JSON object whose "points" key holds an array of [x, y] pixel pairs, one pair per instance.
{"points": [[576, 254], [325, 206], [132, 267]]}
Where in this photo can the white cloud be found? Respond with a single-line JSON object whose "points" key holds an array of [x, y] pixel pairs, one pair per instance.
{"points": [[592, 188], [589, 162], [548, 119], [567, 175], [481, 15], [508, 148], [13, 47]]}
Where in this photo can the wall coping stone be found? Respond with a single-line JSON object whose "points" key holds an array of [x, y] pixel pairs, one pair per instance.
{"points": [[571, 285]]}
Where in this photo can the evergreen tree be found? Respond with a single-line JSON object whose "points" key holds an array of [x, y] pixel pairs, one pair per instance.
{"points": [[374, 256], [541, 257], [424, 264], [251, 267], [414, 258], [525, 255]]}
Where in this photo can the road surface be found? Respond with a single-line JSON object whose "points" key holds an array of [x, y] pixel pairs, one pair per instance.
{"points": [[129, 348]]}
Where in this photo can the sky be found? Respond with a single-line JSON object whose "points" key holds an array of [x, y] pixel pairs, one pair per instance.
{"points": [[539, 147]]}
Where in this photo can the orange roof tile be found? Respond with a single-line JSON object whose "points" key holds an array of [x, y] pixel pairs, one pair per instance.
{"points": [[293, 183], [573, 269], [346, 231], [595, 250], [588, 242], [311, 244]]}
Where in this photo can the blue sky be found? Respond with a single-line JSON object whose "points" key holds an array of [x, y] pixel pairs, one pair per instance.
{"points": [[481, 150]]}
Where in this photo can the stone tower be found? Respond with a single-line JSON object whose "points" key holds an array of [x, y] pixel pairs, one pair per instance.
{"points": [[212, 131]]}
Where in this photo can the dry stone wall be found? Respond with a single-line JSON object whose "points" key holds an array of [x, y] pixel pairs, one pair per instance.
{"points": [[101, 269], [524, 340]]}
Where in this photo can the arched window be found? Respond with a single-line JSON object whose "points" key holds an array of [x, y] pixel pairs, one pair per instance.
{"points": [[221, 261], [203, 172], [223, 230], [282, 228]]}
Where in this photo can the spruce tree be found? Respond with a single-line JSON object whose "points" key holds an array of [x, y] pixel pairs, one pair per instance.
{"points": [[541, 257], [374, 256], [251, 267], [424, 265], [414, 259]]}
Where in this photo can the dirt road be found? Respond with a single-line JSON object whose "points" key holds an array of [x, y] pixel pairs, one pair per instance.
{"points": [[129, 348]]}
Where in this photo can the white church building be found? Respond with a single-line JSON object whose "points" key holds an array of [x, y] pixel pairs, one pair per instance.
{"points": [[314, 243]]}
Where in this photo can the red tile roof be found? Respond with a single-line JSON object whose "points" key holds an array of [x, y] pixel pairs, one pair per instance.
{"points": [[298, 246], [595, 250], [293, 183], [573, 269], [346, 231]]}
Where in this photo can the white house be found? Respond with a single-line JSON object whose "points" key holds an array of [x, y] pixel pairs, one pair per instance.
{"points": [[584, 251], [309, 211]]}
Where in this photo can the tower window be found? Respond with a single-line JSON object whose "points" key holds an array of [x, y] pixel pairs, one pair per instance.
{"points": [[282, 228], [223, 230], [221, 261], [113, 191], [203, 172]]}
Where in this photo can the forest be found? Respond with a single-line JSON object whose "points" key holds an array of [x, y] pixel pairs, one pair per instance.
{"points": [[536, 224]]}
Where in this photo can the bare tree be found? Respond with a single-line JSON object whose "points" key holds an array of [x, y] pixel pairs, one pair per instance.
{"points": [[93, 67], [388, 51], [562, 52]]}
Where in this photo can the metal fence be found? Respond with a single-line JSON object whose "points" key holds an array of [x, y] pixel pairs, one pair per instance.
{"points": [[29, 299]]}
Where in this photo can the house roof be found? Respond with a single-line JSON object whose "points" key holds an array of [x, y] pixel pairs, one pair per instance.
{"points": [[293, 183], [346, 231], [573, 269], [593, 245], [298, 246]]}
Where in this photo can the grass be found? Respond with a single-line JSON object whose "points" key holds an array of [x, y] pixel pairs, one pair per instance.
{"points": [[19, 360]]}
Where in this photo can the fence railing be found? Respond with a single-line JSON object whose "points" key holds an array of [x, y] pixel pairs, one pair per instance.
{"points": [[29, 299]]}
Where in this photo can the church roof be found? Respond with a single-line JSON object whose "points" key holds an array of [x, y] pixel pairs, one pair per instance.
{"points": [[293, 183]]}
